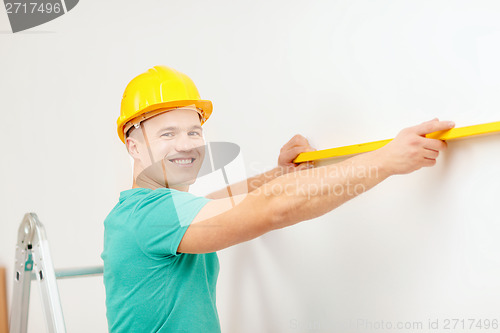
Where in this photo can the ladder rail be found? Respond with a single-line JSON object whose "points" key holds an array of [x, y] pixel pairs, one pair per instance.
{"points": [[45, 274], [22, 282]]}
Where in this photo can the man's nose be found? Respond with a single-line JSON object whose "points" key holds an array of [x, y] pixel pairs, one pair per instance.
{"points": [[185, 143]]}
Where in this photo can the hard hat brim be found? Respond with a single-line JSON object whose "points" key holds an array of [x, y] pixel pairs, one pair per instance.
{"points": [[204, 106]]}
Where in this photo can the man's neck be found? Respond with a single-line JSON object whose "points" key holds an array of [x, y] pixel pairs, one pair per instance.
{"points": [[137, 171]]}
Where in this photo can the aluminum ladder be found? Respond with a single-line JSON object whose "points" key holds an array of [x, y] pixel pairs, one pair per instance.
{"points": [[33, 262]]}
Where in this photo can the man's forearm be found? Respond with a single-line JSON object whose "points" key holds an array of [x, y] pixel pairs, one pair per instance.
{"points": [[248, 185], [310, 193]]}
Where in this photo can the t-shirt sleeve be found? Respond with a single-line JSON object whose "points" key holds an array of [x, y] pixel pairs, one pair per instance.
{"points": [[162, 219]]}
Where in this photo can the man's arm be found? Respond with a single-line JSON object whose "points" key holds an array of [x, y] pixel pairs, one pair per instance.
{"points": [[247, 185], [298, 144], [309, 193]]}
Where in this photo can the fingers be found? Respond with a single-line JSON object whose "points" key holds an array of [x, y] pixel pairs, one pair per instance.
{"points": [[297, 144], [433, 126], [306, 165], [296, 140], [295, 151], [429, 162], [431, 149], [430, 154], [434, 144]]}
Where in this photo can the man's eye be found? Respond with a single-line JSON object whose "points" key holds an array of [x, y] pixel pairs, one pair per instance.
{"points": [[167, 134], [194, 133]]}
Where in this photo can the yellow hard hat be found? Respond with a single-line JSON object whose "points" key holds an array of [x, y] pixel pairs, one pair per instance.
{"points": [[159, 89]]}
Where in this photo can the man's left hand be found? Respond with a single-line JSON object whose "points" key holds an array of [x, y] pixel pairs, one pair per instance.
{"points": [[298, 144]]}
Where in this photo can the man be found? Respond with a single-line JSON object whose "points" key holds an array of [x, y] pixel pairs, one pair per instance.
{"points": [[160, 265]]}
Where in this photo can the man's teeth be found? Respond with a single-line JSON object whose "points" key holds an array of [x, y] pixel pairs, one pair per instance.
{"points": [[186, 161]]}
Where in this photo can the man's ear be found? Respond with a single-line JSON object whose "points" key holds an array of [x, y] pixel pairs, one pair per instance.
{"points": [[132, 147]]}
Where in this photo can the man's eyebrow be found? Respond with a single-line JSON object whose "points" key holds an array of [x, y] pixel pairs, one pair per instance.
{"points": [[173, 128], [169, 128]]}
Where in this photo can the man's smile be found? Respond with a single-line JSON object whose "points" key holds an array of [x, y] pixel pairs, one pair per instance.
{"points": [[183, 162]]}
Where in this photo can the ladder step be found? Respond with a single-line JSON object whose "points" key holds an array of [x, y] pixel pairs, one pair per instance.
{"points": [[76, 272]]}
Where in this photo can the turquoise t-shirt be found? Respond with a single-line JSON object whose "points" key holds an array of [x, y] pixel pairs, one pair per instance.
{"points": [[149, 286]]}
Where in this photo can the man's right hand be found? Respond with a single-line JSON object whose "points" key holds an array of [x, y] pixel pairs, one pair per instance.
{"points": [[411, 150]]}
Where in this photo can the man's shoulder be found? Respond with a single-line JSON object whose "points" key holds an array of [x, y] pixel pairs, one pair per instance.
{"points": [[140, 192], [162, 199]]}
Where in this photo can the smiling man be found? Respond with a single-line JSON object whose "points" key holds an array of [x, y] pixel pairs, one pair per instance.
{"points": [[160, 242], [175, 143]]}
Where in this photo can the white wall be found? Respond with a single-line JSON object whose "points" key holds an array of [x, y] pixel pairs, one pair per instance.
{"points": [[417, 247]]}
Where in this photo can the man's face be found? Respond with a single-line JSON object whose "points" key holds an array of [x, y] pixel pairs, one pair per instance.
{"points": [[177, 146]]}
